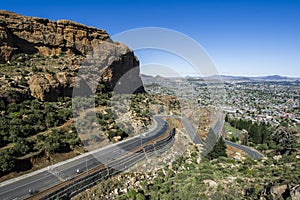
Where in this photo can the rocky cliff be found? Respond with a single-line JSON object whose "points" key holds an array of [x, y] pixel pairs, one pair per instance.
{"points": [[19, 34], [40, 57]]}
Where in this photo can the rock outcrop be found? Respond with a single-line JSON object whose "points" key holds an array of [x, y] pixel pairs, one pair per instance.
{"points": [[49, 88], [280, 192], [75, 45], [19, 34]]}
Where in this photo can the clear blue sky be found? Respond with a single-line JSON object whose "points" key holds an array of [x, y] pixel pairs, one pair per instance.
{"points": [[242, 37]]}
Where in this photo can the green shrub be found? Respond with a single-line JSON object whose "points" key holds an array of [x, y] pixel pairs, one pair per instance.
{"points": [[7, 162]]}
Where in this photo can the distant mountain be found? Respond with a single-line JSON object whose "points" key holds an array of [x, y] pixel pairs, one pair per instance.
{"points": [[147, 79], [275, 77], [258, 78], [145, 76], [229, 78], [193, 78], [226, 78]]}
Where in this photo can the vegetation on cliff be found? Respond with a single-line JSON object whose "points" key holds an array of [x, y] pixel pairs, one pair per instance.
{"points": [[39, 60], [188, 177]]}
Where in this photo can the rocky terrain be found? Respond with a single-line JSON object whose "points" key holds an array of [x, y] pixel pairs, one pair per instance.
{"points": [[41, 63], [29, 35], [189, 177], [40, 58]]}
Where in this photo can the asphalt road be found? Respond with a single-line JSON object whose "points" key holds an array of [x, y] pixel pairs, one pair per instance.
{"points": [[251, 152], [51, 176], [191, 131], [219, 126], [217, 130]]}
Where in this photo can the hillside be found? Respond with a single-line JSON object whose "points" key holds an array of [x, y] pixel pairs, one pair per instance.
{"points": [[40, 58], [40, 63]]}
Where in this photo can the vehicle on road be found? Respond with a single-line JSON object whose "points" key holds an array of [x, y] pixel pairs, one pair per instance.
{"points": [[31, 191]]}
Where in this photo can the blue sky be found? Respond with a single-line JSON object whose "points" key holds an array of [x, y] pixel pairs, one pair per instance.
{"points": [[242, 37]]}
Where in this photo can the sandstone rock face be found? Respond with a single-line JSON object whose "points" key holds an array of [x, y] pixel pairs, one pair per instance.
{"points": [[47, 87], [109, 63], [32, 35]]}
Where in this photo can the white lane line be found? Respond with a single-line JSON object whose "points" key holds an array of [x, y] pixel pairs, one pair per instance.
{"points": [[26, 184], [73, 159], [118, 149]]}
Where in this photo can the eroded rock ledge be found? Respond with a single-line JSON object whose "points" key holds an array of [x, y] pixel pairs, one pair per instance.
{"points": [[72, 43]]}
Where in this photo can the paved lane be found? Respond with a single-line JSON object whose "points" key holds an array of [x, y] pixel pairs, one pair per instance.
{"points": [[53, 175], [251, 152]]}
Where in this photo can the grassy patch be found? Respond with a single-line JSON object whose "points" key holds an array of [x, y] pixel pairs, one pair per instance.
{"points": [[231, 131]]}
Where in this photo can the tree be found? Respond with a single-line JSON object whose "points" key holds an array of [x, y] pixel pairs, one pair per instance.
{"points": [[265, 134], [284, 138], [255, 133], [53, 142], [64, 114], [218, 150], [140, 196], [7, 162], [50, 119], [2, 105], [210, 141], [13, 107], [226, 118], [21, 147], [262, 147]]}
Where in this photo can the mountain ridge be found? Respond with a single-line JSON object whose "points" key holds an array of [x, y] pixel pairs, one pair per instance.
{"points": [[233, 77], [40, 58]]}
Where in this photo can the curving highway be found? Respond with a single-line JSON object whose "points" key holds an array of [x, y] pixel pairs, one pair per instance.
{"points": [[217, 129], [251, 152], [40, 180], [45, 178]]}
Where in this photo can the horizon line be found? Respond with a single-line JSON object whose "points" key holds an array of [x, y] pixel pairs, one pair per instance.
{"points": [[231, 75]]}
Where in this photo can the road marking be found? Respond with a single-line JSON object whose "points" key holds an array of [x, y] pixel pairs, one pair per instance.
{"points": [[27, 183], [13, 180]]}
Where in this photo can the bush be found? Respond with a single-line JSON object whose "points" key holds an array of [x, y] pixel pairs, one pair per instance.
{"points": [[21, 147], [53, 143], [7, 162], [2, 105], [219, 150], [35, 69], [262, 147], [140, 196]]}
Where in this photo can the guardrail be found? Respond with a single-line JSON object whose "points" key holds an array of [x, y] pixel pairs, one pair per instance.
{"points": [[70, 188]]}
